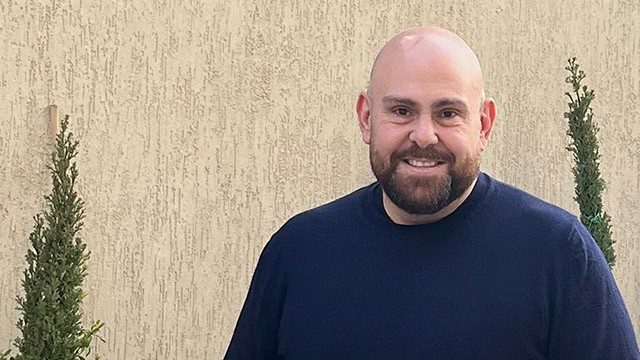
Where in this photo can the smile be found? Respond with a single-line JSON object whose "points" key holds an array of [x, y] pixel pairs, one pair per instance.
{"points": [[422, 163]]}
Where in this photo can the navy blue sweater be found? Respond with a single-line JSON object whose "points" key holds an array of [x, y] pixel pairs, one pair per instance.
{"points": [[506, 276]]}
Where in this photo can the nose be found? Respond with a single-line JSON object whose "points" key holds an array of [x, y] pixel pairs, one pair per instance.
{"points": [[424, 132]]}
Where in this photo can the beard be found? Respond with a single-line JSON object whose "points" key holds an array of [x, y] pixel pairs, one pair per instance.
{"points": [[422, 195]]}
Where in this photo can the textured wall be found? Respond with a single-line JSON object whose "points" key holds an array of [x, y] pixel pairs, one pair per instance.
{"points": [[204, 125]]}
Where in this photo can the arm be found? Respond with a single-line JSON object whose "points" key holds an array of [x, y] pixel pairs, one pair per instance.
{"points": [[255, 335], [588, 317]]}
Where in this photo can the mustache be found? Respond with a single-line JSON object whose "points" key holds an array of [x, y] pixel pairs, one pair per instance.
{"points": [[430, 152]]}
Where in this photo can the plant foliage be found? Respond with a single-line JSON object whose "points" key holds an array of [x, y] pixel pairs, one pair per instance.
{"points": [[584, 145], [51, 323]]}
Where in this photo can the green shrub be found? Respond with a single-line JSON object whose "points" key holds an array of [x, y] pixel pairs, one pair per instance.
{"points": [[584, 145], [51, 323]]}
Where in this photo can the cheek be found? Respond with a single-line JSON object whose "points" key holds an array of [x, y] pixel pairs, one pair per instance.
{"points": [[460, 144], [389, 136], [380, 150]]}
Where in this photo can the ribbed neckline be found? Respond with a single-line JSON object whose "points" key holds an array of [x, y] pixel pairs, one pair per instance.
{"points": [[373, 211]]}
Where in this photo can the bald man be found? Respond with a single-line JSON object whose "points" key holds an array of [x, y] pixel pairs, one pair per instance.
{"points": [[435, 260]]}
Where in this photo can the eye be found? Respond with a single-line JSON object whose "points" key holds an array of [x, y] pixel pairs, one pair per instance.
{"points": [[448, 114], [401, 111]]}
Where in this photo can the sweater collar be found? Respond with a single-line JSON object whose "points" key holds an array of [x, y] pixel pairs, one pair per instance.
{"points": [[374, 208]]}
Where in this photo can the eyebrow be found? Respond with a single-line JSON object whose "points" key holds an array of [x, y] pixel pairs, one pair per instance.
{"points": [[399, 100], [449, 102], [440, 103]]}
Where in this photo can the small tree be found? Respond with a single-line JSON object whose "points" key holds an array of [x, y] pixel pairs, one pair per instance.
{"points": [[51, 314], [584, 146]]}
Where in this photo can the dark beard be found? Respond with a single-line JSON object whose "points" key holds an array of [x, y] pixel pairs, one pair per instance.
{"points": [[419, 195]]}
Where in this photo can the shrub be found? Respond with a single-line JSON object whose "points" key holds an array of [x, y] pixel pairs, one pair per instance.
{"points": [[56, 268], [584, 145]]}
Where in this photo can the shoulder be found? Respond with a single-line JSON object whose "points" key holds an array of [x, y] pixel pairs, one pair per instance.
{"points": [[335, 216], [511, 204], [543, 229], [335, 213]]}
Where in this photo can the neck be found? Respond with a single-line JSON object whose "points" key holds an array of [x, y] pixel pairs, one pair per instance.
{"points": [[402, 217]]}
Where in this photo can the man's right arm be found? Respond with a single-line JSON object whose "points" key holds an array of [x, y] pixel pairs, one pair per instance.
{"points": [[255, 335]]}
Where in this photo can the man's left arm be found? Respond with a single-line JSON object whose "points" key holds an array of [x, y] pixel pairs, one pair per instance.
{"points": [[589, 319]]}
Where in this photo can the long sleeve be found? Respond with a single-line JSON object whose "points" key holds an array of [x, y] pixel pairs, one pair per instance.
{"points": [[589, 318], [255, 335]]}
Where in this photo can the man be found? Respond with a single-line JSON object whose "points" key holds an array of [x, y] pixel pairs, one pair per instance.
{"points": [[435, 260]]}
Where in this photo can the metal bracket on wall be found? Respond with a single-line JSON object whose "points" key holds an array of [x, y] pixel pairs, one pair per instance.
{"points": [[55, 120]]}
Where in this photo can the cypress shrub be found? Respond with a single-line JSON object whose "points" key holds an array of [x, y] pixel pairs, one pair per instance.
{"points": [[51, 323], [583, 131]]}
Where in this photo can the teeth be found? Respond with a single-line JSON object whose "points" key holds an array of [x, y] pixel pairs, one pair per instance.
{"points": [[419, 163]]}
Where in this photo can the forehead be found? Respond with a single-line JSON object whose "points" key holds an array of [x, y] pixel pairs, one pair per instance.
{"points": [[426, 70]]}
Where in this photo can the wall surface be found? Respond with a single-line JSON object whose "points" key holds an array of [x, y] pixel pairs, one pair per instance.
{"points": [[204, 125]]}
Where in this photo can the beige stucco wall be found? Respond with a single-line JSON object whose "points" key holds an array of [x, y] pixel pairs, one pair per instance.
{"points": [[204, 125]]}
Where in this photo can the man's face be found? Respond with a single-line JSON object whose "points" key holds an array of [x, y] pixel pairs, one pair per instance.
{"points": [[425, 130]]}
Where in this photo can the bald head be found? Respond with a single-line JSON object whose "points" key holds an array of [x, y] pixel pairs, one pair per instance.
{"points": [[433, 49], [426, 123]]}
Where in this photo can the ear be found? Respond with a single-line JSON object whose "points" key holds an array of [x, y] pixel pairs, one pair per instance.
{"points": [[487, 119], [363, 109]]}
